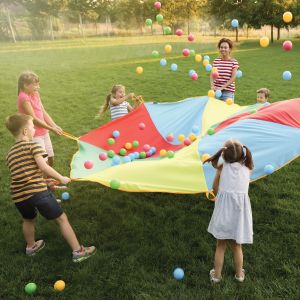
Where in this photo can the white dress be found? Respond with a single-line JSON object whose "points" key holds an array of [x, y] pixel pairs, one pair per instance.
{"points": [[232, 216]]}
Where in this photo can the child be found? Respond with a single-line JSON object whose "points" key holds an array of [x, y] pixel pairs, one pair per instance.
{"points": [[262, 96], [29, 191], [231, 222], [29, 103], [117, 103]]}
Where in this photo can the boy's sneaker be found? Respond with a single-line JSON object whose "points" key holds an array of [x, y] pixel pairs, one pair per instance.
{"points": [[58, 200], [214, 279], [37, 247], [83, 253], [242, 278]]}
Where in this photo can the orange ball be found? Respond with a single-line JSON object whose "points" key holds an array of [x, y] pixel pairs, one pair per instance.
{"points": [[128, 146], [59, 285], [162, 152]]}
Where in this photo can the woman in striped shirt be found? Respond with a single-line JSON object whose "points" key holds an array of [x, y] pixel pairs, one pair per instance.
{"points": [[117, 102], [227, 67]]}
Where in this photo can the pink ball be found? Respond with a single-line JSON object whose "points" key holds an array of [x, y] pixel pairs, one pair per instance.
{"points": [[170, 138], [191, 37], [157, 5], [146, 147], [148, 154], [179, 32], [215, 75], [142, 126], [187, 142], [88, 164], [194, 76], [287, 45], [185, 52], [103, 156]]}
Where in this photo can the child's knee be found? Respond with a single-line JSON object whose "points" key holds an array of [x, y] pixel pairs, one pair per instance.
{"points": [[62, 218]]}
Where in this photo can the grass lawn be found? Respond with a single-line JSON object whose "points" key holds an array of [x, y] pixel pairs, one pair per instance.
{"points": [[142, 237]]}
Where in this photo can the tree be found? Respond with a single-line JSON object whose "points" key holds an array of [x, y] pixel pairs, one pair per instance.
{"points": [[5, 8]]}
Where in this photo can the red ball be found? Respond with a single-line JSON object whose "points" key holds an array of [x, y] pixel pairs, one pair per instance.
{"points": [[179, 32], [215, 75], [194, 76], [102, 156], [146, 147], [287, 45], [148, 154], [187, 142], [170, 138], [142, 126], [157, 5], [191, 37], [185, 52], [88, 164]]}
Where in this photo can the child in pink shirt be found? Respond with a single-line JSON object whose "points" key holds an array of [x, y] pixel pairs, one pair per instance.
{"points": [[29, 103]]}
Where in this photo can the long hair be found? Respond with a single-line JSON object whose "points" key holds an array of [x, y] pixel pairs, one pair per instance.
{"points": [[232, 151], [113, 91], [26, 77]]}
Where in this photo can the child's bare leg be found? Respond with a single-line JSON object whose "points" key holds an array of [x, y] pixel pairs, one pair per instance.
{"points": [[28, 231], [219, 257], [238, 258], [67, 231]]}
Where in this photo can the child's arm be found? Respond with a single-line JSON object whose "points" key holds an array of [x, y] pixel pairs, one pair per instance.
{"points": [[121, 100], [231, 80], [129, 108], [50, 122], [45, 168], [217, 180]]}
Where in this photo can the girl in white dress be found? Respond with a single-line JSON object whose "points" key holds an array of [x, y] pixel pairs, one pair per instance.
{"points": [[231, 222]]}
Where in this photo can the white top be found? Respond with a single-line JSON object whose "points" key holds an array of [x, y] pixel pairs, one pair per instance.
{"points": [[118, 111]]}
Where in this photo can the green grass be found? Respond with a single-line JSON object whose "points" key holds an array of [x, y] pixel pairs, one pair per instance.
{"points": [[142, 237]]}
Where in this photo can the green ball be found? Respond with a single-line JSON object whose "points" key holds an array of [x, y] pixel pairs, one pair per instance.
{"points": [[155, 54], [111, 153], [142, 154], [192, 52], [30, 288], [167, 30], [148, 22], [159, 18], [210, 131], [115, 184], [123, 151], [110, 141], [170, 154], [135, 144]]}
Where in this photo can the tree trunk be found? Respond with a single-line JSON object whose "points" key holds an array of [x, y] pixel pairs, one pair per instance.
{"points": [[247, 32], [272, 35], [80, 25], [51, 28], [96, 27], [236, 34], [10, 25], [278, 33]]}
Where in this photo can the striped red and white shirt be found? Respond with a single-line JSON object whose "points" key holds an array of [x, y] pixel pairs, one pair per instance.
{"points": [[225, 68]]}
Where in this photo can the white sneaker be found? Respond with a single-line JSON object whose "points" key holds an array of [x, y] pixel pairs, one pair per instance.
{"points": [[242, 278], [58, 200], [214, 279]]}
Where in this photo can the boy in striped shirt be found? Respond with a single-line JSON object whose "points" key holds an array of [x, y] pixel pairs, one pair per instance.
{"points": [[27, 164]]}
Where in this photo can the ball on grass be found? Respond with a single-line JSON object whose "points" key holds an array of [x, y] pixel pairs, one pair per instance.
{"points": [[59, 285], [30, 288], [178, 274], [65, 196]]}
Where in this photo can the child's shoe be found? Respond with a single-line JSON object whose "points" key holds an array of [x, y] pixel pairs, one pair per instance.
{"points": [[37, 247], [214, 279], [83, 253], [241, 278]]}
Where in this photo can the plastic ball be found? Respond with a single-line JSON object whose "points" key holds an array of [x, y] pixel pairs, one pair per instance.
{"points": [[198, 58], [186, 52], [148, 22], [157, 5], [191, 37], [128, 146], [153, 149], [59, 285], [142, 126], [195, 129], [170, 138], [210, 131], [136, 155], [135, 143], [110, 141], [192, 52], [191, 72], [170, 154], [103, 156], [187, 141], [142, 154], [287, 46], [168, 48], [179, 32], [139, 70], [174, 67], [116, 160], [162, 152], [286, 75], [181, 137], [194, 76], [123, 151], [132, 156], [115, 184], [65, 196], [159, 18], [163, 62], [30, 288], [269, 169], [239, 74], [205, 62], [127, 159], [167, 30], [178, 274], [88, 164], [211, 93], [148, 153], [205, 156], [214, 69], [287, 17], [116, 133], [206, 57], [214, 75], [155, 54], [234, 23], [229, 101], [208, 67], [111, 153], [146, 147], [218, 94], [264, 42], [192, 137]]}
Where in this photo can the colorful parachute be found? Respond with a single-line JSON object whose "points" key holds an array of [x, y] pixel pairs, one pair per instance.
{"points": [[271, 132]]}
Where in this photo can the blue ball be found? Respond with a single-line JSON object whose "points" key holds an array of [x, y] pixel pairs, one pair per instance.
{"points": [[218, 94], [116, 133], [174, 67], [132, 156], [195, 129], [239, 74], [206, 57], [126, 159], [153, 149], [136, 155], [163, 62], [178, 274], [116, 160], [287, 75], [191, 72], [208, 67], [65, 196], [234, 23], [269, 169]]}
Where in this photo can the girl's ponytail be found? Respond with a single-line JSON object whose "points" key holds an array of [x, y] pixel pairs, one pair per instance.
{"points": [[105, 106], [215, 158], [248, 161]]}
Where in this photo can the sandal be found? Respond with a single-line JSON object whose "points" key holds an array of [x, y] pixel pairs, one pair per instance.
{"points": [[214, 279], [241, 278]]}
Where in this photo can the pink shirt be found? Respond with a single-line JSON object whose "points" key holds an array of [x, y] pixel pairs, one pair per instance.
{"points": [[37, 107]]}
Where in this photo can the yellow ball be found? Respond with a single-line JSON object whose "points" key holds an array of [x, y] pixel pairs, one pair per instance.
{"points": [[205, 156], [198, 57], [168, 48], [59, 285], [139, 70], [181, 137], [229, 101], [128, 146], [162, 152], [192, 137], [205, 62], [264, 42], [287, 17], [211, 93], [214, 70]]}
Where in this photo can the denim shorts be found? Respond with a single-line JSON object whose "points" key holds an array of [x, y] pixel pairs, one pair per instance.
{"points": [[43, 202], [226, 95]]}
